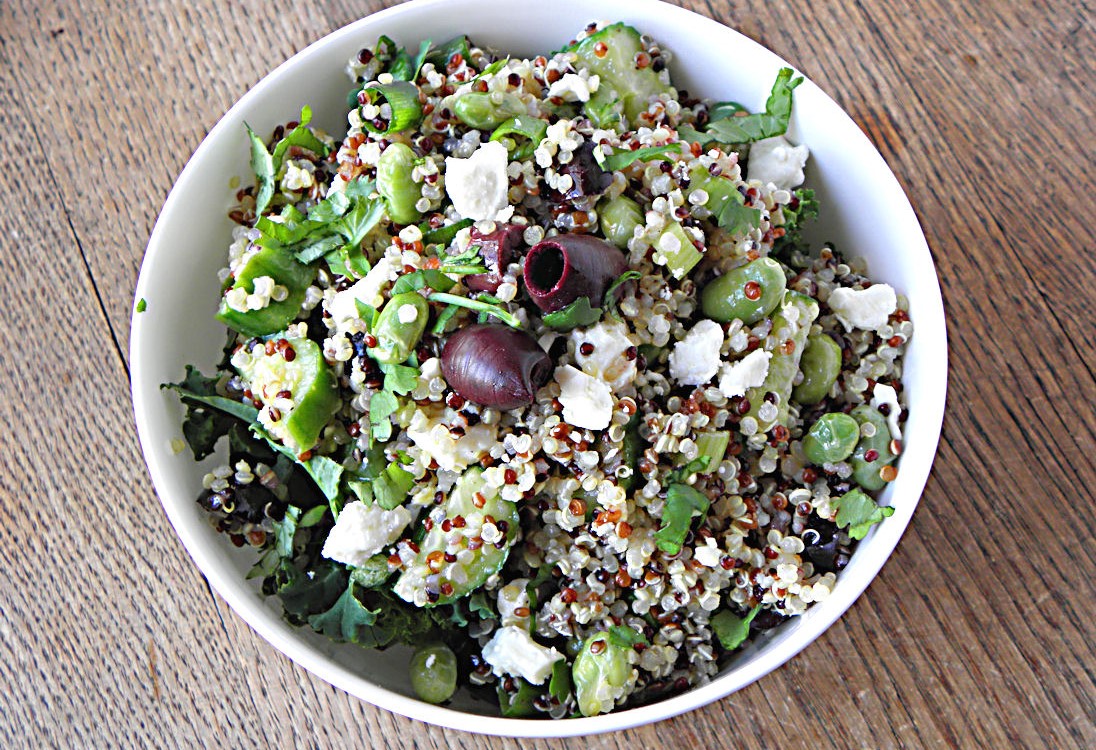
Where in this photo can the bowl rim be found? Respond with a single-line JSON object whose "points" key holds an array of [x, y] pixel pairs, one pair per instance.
{"points": [[260, 619]]}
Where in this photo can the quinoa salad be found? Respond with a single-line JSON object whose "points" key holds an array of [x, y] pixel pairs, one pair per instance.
{"points": [[534, 372]]}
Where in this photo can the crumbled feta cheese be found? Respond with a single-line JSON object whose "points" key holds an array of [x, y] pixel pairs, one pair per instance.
{"points": [[749, 372], [587, 401], [607, 361], [695, 359], [708, 554], [407, 314], [867, 309], [777, 161], [367, 290], [512, 651], [478, 185], [451, 453], [362, 531], [572, 88], [885, 394]]}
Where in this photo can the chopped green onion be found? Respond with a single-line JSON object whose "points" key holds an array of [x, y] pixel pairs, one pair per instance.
{"points": [[477, 305], [403, 97], [531, 128], [443, 235]]}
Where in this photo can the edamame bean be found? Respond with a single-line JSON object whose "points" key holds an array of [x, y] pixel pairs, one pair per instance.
{"points": [[872, 452], [820, 365], [619, 218], [600, 662], [486, 111], [395, 185], [831, 439], [433, 672], [749, 292], [400, 327]]}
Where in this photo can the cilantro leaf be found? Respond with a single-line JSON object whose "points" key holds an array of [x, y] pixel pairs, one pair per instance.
{"points": [[390, 488], [859, 512], [736, 217], [682, 503], [625, 637], [426, 277], [732, 631], [381, 406]]}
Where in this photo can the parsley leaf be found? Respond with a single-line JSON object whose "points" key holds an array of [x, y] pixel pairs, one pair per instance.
{"points": [[578, 313], [391, 486], [736, 217], [624, 158], [732, 631], [400, 379], [682, 503], [859, 512], [381, 406], [768, 124], [625, 637]]}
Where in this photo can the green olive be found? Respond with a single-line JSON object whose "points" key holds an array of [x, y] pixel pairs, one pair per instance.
{"points": [[433, 671], [748, 293], [831, 439]]}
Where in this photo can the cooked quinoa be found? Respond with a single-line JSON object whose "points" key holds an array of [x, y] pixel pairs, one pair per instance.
{"points": [[602, 499]]}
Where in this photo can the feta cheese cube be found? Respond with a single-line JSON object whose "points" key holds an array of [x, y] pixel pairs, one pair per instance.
{"points": [[367, 290], [777, 161], [362, 531], [512, 651], [478, 185], [867, 309], [587, 401], [695, 359], [607, 361], [451, 453], [749, 372], [572, 88]]}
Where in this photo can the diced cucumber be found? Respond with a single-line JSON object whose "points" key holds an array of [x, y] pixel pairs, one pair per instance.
{"points": [[430, 578], [286, 271], [615, 63], [298, 386]]}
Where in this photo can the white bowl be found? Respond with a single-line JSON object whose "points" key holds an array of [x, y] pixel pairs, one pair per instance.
{"points": [[864, 211]]}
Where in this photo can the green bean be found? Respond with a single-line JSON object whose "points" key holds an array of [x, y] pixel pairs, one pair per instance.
{"points": [[600, 662], [619, 217], [791, 324], [433, 672], [820, 365], [749, 292], [866, 469], [396, 338], [486, 111], [831, 439], [394, 183]]}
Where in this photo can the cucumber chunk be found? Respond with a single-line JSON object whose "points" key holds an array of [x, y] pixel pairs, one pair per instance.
{"points": [[615, 63], [295, 386], [431, 578]]}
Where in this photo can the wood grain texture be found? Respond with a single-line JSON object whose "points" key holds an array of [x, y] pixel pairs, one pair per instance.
{"points": [[978, 633]]}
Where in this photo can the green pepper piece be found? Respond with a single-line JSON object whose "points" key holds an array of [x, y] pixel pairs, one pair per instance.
{"points": [[602, 661], [395, 185], [866, 469], [749, 292], [297, 368], [820, 365], [285, 271], [791, 324], [398, 331], [832, 438]]}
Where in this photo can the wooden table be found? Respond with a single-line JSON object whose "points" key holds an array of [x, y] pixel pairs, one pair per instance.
{"points": [[978, 633]]}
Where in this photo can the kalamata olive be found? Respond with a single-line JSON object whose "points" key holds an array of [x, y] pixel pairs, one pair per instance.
{"points": [[498, 250], [588, 179], [563, 268], [495, 365]]}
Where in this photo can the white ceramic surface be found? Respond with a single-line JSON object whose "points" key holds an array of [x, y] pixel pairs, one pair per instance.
{"points": [[864, 211]]}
